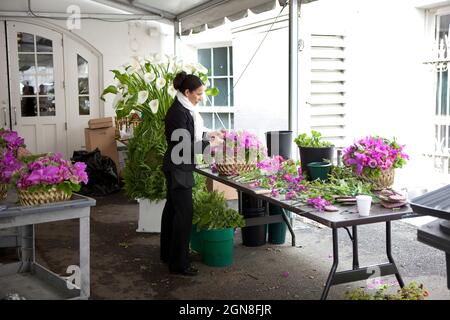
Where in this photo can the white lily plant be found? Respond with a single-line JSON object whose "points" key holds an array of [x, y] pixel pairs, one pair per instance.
{"points": [[144, 85]]}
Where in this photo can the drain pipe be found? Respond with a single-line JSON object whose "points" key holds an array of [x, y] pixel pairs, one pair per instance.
{"points": [[293, 80]]}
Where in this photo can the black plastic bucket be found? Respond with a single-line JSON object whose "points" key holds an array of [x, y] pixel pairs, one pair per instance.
{"points": [[279, 143], [254, 236], [251, 202]]}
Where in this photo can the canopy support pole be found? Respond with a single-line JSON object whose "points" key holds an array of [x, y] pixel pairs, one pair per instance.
{"points": [[176, 37], [293, 69]]}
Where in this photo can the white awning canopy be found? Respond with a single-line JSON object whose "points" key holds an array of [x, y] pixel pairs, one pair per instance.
{"points": [[195, 15], [214, 13]]}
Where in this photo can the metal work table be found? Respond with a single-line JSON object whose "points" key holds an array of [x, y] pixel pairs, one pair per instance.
{"points": [[433, 235], [28, 278], [346, 217]]}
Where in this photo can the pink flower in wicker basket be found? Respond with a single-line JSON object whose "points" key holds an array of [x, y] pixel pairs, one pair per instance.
{"points": [[51, 170], [372, 155], [240, 147]]}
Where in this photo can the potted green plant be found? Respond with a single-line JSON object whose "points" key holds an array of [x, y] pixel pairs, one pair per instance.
{"points": [[196, 233], [145, 87], [217, 223], [313, 149]]}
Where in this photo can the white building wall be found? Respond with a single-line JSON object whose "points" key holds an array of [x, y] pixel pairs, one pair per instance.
{"points": [[262, 93], [389, 89], [385, 77]]}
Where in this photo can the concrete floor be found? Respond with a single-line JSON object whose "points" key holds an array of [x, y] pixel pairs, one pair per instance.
{"points": [[125, 264]]}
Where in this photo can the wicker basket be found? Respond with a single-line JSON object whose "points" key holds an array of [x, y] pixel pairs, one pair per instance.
{"points": [[385, 180], [27, 198], [228, 169], [3, 191]]}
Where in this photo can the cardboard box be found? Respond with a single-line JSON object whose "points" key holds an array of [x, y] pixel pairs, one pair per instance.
{"points": [[104, 140], [229, 192], [100, 123]]}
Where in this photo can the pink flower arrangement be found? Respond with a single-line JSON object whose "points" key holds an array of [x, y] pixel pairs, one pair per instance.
{"points": [[8, 165], [372, 155], [10, 140], [239, 147], [49, 171]]}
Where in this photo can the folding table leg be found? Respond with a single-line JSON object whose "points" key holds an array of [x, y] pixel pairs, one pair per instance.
{"points": [[447, 258], [84, 258], [288, 223], [240, 202], [355, 248], [27, 248], [389, 253], [334, 266]]}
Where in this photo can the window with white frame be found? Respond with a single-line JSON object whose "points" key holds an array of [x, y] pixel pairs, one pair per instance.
{"points": [[442, 97], [217, 112]]}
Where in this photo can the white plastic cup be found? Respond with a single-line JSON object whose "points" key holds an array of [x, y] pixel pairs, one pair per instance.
{"points": [[364, 202]]}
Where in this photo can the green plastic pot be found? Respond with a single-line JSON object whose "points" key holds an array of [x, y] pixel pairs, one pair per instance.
{"points": [[217, 249], [319, 170]]}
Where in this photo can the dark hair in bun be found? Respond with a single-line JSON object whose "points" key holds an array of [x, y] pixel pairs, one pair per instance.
{"points": [[184, 81]]}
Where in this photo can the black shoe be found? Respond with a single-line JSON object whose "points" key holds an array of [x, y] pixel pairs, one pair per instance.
{"points": [[189, 271]]}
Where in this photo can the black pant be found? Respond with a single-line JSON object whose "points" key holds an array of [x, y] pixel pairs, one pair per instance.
{"points": [[176, 221]]}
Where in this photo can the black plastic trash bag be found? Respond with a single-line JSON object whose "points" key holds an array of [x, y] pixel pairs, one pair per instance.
{"points": [[102, 173]]}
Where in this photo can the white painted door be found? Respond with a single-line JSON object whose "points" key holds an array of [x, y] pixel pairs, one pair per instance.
{"points": [[82, 91], [4, 94], [36, 72]]}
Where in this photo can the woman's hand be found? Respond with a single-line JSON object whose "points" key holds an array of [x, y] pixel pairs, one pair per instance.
{"points": [[215, 141]]}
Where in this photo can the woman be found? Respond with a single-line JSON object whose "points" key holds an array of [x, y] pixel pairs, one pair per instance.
{"points": [[183, 128]]}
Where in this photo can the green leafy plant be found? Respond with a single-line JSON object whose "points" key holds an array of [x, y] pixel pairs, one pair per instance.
{"points": [[145, 85], [342, 181], [211, 212], [412, 291], [199, 184], [143, 175], [312, 141]]}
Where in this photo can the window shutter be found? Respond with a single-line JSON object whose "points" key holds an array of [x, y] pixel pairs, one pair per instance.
{"points": [[327, 101]]}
